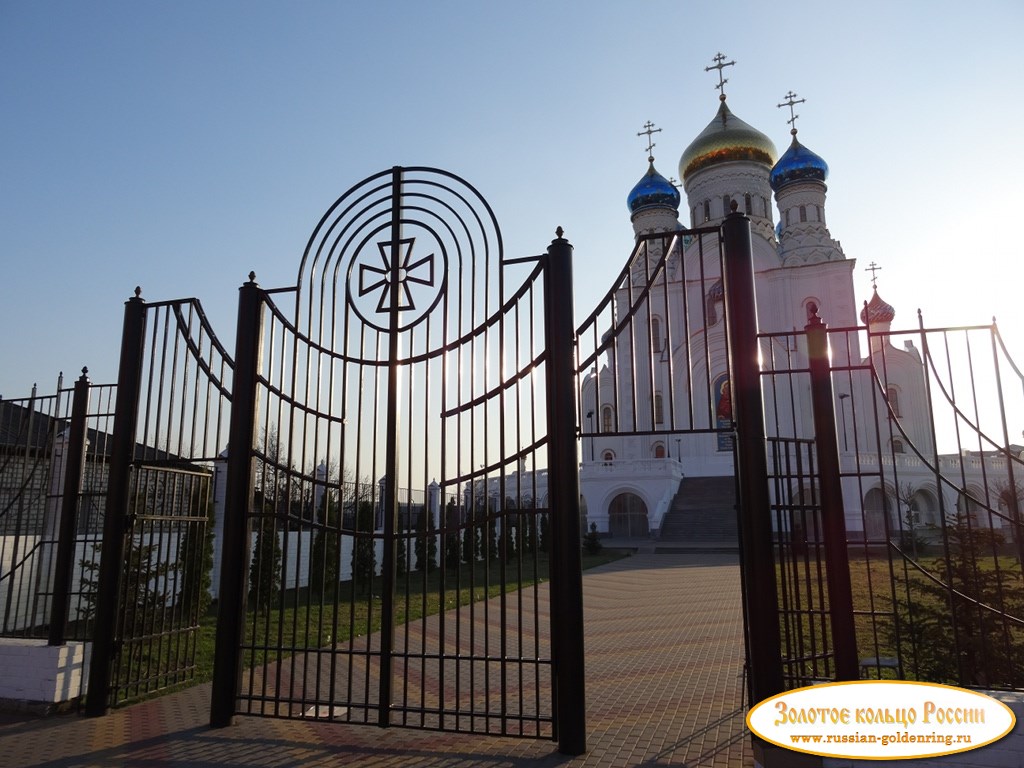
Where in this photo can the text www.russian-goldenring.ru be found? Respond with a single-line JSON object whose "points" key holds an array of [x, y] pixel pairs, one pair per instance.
{"points": [[885, 740]]}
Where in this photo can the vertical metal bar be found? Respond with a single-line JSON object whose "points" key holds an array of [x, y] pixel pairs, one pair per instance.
{"points": [[227, 664], [390, 500], [74, 459], [10, 608], [122, 450], [833, 512], [756, 557], [564, 497]]}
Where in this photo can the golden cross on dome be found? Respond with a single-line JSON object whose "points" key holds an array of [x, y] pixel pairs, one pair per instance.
{"points": [[720, 64], [648, 131], [874, 269], [791, 101]]}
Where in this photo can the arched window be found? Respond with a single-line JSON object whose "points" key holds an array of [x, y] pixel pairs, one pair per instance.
{"points": [[893, 395], [608, 456], [726, 203], [817, 210], [656, 334], [707, 210], [787, 216], [659, 409], [659, 450], [607, 419], [748, 205], [710, 315], [803, 213], [877, 507], [693, 217], [897, 446], [764, 202]]}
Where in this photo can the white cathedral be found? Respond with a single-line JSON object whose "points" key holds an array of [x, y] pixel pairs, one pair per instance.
{"points": [[664, 485]]}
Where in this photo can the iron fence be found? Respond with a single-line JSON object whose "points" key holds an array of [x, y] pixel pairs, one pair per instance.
{"points": [[53, 481], [928, 475]]}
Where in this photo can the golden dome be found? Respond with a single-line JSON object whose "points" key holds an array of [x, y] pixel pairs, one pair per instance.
{"points": [[726, 139]]}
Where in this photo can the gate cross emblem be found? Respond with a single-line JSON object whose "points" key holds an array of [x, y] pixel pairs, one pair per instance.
{"points": [[372, 278]]}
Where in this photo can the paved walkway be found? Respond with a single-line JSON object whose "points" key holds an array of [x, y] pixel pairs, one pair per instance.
{"points": [[664, 687]]}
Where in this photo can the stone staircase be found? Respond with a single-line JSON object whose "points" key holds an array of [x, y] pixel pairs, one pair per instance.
{"points": [[702, 517]]}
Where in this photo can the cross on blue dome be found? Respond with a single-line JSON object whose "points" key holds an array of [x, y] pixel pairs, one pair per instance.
{"points": [[798, 163]]}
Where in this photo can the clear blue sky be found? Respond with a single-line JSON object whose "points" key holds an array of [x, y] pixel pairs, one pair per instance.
{"points": [[177, 145]]}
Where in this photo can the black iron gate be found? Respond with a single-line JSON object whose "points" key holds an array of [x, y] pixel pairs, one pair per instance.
{"points": [[151, 587], [670, 387], [401, 529], [896, 503]]}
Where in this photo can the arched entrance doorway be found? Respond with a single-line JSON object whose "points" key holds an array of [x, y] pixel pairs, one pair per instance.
{"points": [[876, 509], [627, 516]]}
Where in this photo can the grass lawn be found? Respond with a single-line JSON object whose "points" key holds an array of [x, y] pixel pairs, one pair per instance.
{"points": [[902, 612], [309, 621]]}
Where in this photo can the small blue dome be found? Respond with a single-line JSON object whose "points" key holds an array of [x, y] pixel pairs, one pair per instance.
{"points": [[653, 190], [797, 164]]}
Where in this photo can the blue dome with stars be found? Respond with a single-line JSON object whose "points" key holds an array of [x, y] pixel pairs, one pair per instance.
{"points": [[653, 190], [797, 164]]}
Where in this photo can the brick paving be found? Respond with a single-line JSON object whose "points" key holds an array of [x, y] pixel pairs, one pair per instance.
{"points": [[664, 687]]}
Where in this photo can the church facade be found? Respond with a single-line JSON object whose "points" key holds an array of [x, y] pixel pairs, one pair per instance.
{"points": [[638, 465]]}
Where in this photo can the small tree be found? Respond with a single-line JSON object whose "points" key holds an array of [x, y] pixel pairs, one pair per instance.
{"points": [[265, 569], [469, 542], [143, 581], [326, 554], [492, 535], [909, 540], [953, 630], [452, 545], [591, 542], [508, 538], [195, 558], [426, 543], [528, 542], [401, 554], [364, 563]]}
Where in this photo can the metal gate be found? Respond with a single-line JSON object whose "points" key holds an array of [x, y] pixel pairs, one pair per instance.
{"points": [[164, 582], [151, 587], [401, 530], [668, 377], [896, 503]]}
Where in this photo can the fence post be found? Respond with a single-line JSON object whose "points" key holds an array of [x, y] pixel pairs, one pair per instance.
{"points": [[227, 661], [74, 457], [564, 497], [757, 563], [122, 451], [830, 493], [389, 483]]}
